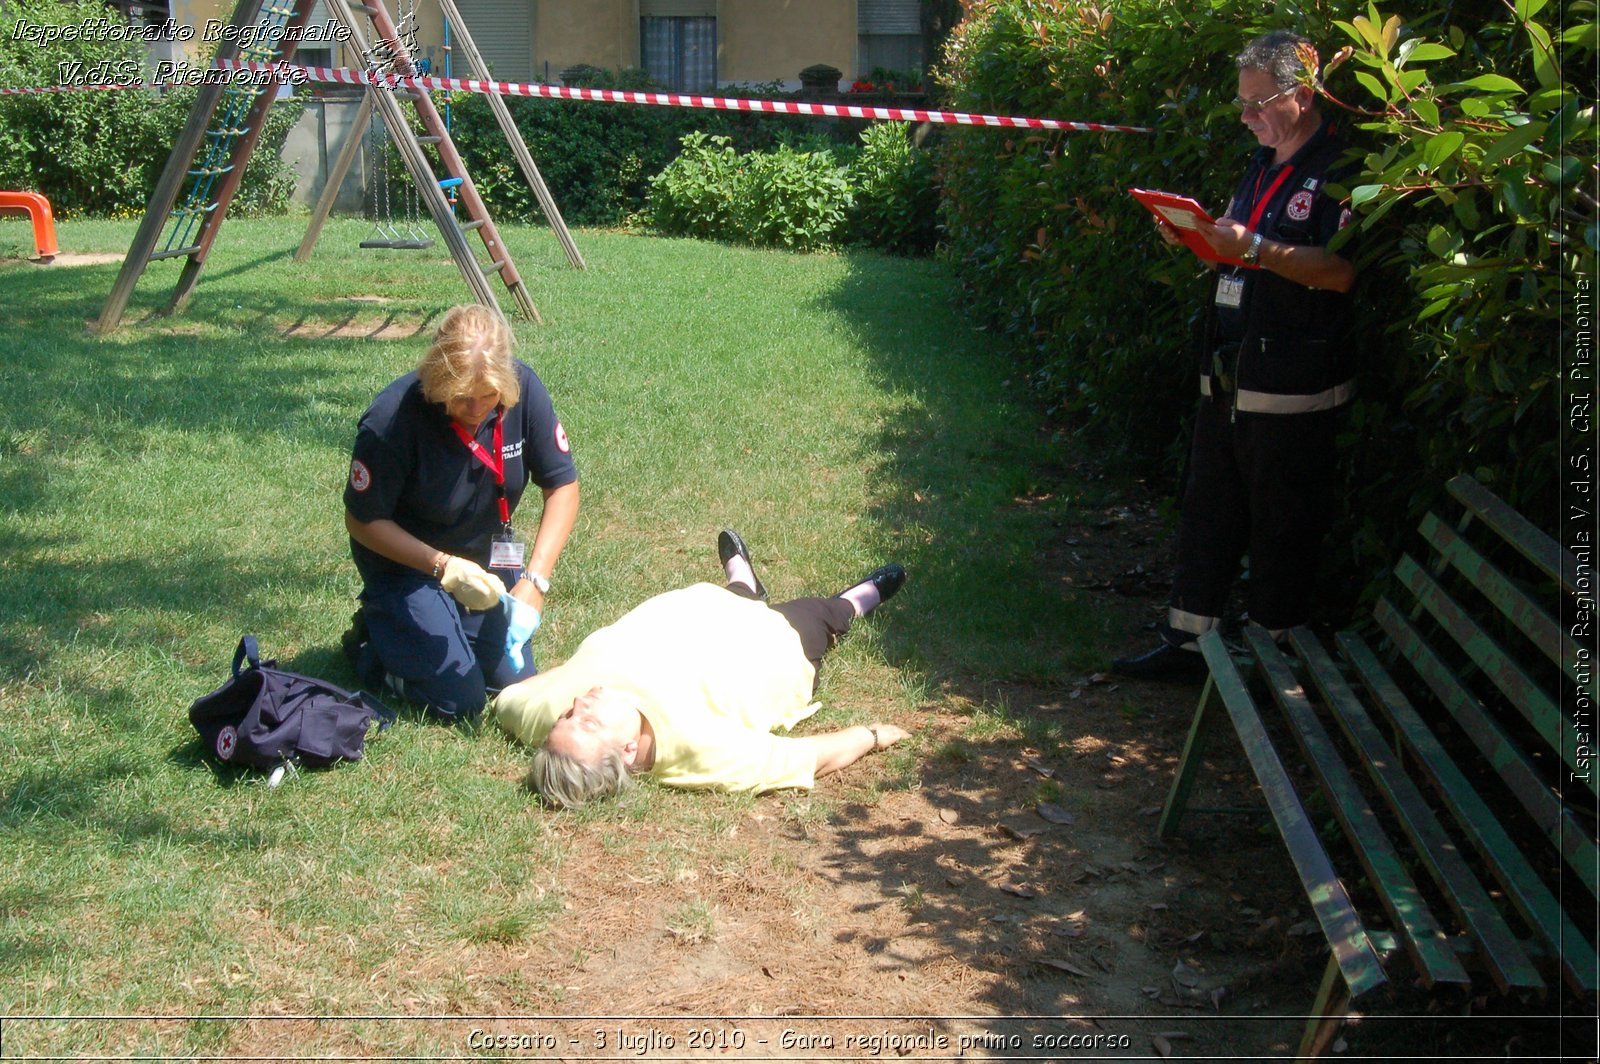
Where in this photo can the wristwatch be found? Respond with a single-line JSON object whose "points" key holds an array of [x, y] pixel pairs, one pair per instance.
{"points": [[1253, 256], [540, 582]]}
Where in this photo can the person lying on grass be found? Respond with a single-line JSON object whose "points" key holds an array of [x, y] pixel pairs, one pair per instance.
{"points": [[687, 688]]}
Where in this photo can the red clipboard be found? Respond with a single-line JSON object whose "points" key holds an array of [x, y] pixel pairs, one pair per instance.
{"points": [[1185, 216]]}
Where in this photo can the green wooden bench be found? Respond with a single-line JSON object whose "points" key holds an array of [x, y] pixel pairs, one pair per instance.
{"points": [[1455, 758]]}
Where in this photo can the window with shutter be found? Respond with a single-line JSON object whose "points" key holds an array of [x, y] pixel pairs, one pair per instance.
{"points": [[503, 32], [889, 36]]}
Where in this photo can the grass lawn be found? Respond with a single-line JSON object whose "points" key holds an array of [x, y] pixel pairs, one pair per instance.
{"points": [[168, 487]]}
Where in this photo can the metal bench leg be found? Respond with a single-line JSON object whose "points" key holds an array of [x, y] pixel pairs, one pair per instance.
{"points": [[1188, 764], [1328, 1013]]}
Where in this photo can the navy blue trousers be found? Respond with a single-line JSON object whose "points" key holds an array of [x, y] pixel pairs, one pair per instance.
{"points": [[443, 655]]}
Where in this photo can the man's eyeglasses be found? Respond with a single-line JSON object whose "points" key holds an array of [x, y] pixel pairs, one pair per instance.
{"points": [[1258, 105]]}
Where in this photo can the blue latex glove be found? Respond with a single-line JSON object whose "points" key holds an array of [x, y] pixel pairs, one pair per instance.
{"points": [[522, 621]]}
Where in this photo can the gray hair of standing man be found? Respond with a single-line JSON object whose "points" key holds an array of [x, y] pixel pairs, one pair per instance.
{"points": [[571, 783], [1278, 54]]}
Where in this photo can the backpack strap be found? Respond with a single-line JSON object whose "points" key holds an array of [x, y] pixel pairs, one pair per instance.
{"points": [[380, 712], [248, 648]]}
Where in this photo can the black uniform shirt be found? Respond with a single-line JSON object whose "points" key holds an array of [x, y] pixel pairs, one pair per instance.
{"points": [[1294, 208], [409, 466]]}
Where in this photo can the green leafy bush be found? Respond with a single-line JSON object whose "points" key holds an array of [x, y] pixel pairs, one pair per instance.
{"points": [[100, 152], [696, 194], [805, 193], [1052, 252], [896, 196], [792, 199], [1471, 226], [787, 197]]}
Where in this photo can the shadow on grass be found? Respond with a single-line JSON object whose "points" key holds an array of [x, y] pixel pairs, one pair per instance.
{"points": [[972, 497], [973, 491]]}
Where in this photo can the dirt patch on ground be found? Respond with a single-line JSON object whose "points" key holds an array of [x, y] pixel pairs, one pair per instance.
{"points": [[71, 258], [363, 320], [1009, 892]]}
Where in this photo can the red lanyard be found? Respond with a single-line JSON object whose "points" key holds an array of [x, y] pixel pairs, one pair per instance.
{"points": [[496, 462], [1262, 201]]}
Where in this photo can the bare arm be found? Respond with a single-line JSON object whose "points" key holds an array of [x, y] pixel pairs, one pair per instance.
{"points": [[555, 525], [839, 749], [385, 537], [1314, 267]]}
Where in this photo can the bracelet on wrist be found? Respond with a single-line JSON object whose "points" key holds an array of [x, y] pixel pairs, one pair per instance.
{"points": [[439, 563]]}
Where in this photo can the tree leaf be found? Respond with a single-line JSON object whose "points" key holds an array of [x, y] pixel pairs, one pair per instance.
{"points": [[1442, 147], [1391, 33], [1362, 193], [1054, 813], [1373, 85], [1489, 83], [1417, 50], [1544, 58], [1511, 143]]}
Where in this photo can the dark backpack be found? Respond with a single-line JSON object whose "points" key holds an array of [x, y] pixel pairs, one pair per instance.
{"points": [[264, 716]]}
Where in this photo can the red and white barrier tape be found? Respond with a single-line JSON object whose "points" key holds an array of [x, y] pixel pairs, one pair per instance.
{"points": [[270, 72], [672, 99]]}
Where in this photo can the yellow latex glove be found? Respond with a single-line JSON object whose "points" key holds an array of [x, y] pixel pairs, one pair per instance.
{"points": [[472, 585]]}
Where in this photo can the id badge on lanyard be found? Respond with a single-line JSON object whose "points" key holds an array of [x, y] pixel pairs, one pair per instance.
{"points": [[506, 550], [1230, 290]]}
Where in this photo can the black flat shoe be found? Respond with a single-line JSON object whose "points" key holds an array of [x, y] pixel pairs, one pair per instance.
{"points": [[886, 578], [354, 637], [729, 545], [1165, 662]]}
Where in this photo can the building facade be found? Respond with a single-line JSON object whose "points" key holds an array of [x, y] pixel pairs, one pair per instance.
{"points": [[685, 45]]}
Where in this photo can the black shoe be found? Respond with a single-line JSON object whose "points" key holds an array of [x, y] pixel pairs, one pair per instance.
{"points": [[354, 638], [729, 545], [886, 578], [1166, 662]]}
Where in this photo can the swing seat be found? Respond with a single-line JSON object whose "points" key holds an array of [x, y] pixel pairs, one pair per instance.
{"points": [[412, 245], [380, 243]]}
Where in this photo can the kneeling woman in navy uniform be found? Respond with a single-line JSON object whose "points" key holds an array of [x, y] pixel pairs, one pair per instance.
{"points": [[440, 463]]}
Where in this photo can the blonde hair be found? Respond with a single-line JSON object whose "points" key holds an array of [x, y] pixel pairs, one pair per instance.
{"points": [[570, 782], [471, 349]]}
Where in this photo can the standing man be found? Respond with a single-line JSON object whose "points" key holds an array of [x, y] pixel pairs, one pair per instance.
{"points": [[1276, 367]]}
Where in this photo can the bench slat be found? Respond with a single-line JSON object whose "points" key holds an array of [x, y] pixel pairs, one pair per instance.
{"points": [[1503, 954], [1529, 540], [1532, 619], [1532, 898], [1425, 939], [1347, 936], [1532, 789], [1536, 707]]}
